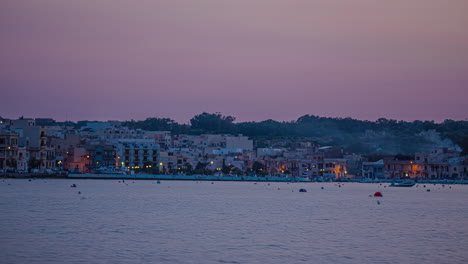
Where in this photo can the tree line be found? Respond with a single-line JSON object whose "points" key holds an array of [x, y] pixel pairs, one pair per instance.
{"points": [[383, 136]]}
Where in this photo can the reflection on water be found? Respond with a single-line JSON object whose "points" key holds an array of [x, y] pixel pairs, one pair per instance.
{"points": [[46, 221]]}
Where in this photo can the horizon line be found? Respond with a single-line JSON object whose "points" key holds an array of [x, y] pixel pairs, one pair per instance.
{"points": [[237, 121]]}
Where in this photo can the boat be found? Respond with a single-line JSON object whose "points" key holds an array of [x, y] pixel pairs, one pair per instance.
{"points": [[366, 180], [109, 170], [403, 184]]}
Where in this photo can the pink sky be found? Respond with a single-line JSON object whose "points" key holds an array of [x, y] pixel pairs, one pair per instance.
{"points": [[253, 59]]}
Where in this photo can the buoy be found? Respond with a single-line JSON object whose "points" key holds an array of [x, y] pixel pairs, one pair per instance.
{"points": [[378, 194], [321, 188], [79, 192], [302, 190]]}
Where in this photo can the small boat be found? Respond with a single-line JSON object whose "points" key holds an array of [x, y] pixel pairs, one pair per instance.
{"points": [[366, 180], [109, 170], [403, 184]]}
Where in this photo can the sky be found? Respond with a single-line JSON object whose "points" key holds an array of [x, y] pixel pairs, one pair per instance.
{"points": [[252, 59]]}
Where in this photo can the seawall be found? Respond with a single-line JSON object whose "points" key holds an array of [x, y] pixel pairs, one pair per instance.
{"points": [[185, 177]]}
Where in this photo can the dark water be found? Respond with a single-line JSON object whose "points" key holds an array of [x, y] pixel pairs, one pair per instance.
{"points": [[46, 221]]}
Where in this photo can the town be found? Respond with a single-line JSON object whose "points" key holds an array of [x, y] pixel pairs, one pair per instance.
{"points": [[43, 147]]}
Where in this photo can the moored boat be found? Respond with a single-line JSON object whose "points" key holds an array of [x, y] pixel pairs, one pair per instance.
{"points": [[403, 184]]}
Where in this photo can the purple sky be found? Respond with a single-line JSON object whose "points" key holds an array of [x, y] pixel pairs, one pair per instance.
{"points": [[253, 59]]}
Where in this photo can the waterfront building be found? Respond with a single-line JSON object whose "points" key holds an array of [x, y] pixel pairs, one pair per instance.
{"points": [[354, 165], [402, 169], [76, 160], [22, 159], [137, 153], [34, 138], [100, 156], [8, 150], [335, 168], [440, 163], [373, 170]]}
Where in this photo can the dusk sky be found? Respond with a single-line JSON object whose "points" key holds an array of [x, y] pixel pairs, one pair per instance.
{"points": [[253, 59]]}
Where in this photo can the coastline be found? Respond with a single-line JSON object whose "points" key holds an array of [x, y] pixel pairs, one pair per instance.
{"points": [[186, 177], [90, 176]]}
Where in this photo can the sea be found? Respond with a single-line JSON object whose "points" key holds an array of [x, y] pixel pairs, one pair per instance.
{"points": [[141, 221]]}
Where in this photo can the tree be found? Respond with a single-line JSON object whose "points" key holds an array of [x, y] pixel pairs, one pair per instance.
{"points": [[188, 169], [258, 167], [227, 169], [237, 171], [212, 122], [158, 124]]}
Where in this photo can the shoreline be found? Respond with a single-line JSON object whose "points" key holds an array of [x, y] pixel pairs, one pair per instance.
{"points": [[210, 178]]}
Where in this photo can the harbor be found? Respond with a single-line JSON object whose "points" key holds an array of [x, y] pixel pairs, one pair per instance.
{"points": [[49, 221]]}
